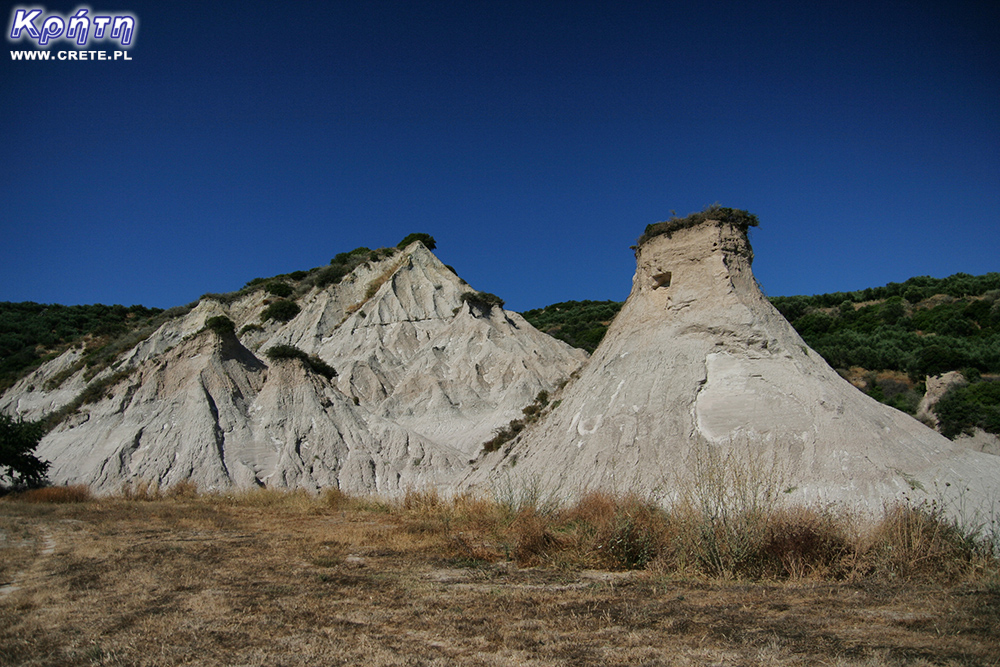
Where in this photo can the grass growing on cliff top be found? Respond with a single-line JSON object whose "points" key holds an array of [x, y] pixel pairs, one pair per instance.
{"points": [[742, 220], [291, 578]]}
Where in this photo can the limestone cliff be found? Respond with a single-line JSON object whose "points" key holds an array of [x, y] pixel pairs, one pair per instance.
{"points": [[699, 366]]}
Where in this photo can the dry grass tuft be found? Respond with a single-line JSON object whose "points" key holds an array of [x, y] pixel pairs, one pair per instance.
{"points": [[55, 494], [916, 542]]}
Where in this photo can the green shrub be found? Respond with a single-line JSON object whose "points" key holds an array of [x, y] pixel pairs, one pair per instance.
{"points": [[348, 257], [482, 300], [250, 327], [279, 289], [312, 362], [276, 352], [741, 219], [965, 408], [330, 275], [220, 324], [281, 311], [426, 239]]}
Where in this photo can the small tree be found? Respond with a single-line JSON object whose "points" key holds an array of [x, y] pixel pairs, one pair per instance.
{"points": [[19, 467]]}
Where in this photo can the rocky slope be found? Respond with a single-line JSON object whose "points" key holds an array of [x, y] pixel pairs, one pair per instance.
{"points": [[423, 378], [699, 377]]}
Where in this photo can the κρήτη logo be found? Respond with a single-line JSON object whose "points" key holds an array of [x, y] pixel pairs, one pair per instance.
{"points": [[35, 25]]}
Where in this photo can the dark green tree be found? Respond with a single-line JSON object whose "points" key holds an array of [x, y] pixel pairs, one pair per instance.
{"points": [[19, 467]]}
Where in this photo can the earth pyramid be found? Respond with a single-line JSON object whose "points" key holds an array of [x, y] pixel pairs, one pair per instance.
{"points": [[699, 371], [392, 376]]}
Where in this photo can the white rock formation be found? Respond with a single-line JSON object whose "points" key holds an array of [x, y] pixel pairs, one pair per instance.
{"points": [[937, 386], [415, 353], [699, 367], [424, 379], [210, 412]]}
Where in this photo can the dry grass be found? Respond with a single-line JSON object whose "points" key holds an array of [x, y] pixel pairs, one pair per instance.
{"points": [[274, 578]]}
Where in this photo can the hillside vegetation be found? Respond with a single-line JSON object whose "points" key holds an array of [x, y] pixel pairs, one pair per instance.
{"points": [[581, 324], [883, 339], [32, 333]]}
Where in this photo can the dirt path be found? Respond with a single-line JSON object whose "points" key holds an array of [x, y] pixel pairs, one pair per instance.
{"points": [[44, 544]]}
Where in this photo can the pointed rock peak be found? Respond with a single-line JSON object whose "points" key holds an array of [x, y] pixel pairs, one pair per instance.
{"points": [[698, 361]]}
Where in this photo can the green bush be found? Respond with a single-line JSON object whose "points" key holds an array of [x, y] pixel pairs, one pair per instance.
{"points": [[276, 352], [279, 289], [281, 311], [964, 408], [426, 239], [330, 275], [220, 324], [483, 300], [348, 257], [311, 361], [741, 219]]}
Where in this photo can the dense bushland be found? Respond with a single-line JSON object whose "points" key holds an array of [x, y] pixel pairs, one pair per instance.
{"points": [[31, 333], [924, 326], [579, 323]]}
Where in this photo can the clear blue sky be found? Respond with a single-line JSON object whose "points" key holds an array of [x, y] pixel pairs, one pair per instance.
{"points": [[534, 140]]}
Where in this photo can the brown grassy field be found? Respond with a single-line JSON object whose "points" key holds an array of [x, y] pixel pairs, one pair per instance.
{"points": [[268, 578]]}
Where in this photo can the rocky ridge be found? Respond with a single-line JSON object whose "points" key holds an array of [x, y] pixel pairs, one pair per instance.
{"points": [[423, 378]]}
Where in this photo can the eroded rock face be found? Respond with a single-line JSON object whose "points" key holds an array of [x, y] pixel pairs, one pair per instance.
{"points": [[698, 366], [423, 379], [210, 412]]}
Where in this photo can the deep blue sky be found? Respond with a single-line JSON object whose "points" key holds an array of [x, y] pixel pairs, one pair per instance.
{"points": [[533, 140]]}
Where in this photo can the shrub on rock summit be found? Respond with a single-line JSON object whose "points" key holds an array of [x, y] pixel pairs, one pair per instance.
{"points": [[426, 239], [743, 220]]}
